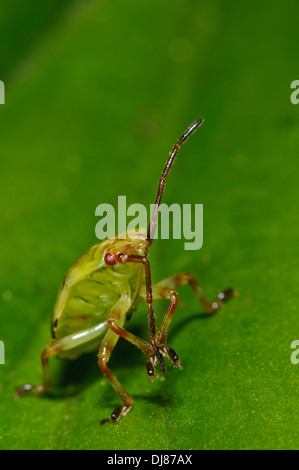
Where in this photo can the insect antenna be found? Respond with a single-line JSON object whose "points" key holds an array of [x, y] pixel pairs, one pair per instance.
{"points": [[153, 223]]}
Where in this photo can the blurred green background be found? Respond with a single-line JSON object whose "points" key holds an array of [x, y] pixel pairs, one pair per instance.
{"points": [[97, 92]]}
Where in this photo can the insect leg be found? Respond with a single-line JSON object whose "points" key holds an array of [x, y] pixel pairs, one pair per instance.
{"points": [[166, 290], [124, 258], [114, 321], [47, 383], [109, 341], [183, 278], [136, 295], [104, 354], [114, 326], [56, 347]]}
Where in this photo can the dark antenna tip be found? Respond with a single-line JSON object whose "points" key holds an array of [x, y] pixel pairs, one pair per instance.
{"points": [[190, 129]]}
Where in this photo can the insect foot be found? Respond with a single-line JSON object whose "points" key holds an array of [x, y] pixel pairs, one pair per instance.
{"points": [[117, 413], [166, 350], [223, 297], [152, 360], [150, 367], [173, 356], [25, 389]]}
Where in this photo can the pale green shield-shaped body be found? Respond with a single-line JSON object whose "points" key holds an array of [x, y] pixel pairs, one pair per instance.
{"points": [[88, 292]]}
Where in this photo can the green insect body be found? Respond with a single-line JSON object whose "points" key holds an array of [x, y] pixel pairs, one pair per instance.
{"points": [[89, 291], [99, 294]]}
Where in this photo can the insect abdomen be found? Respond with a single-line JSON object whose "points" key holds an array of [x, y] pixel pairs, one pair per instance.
{"points": [[86, 304]]}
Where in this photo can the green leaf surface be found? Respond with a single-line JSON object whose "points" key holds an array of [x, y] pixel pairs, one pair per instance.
{"points": [[97, 92]]}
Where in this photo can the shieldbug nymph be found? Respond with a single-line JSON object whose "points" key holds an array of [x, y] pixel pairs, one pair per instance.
{"points": [[99, 294]]}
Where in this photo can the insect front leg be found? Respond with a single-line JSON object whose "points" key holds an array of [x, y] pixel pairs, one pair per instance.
{"points": [[166, 290], [124, 258], [161, 336], [163, 292], [115, 321], [104, 354]]}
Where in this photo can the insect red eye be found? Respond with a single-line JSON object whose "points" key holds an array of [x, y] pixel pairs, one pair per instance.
{"points": [[109, 259]]}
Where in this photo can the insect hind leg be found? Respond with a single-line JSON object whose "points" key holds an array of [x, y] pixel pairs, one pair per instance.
{"points": [[59, 346], [47, 382], [185, 278]]}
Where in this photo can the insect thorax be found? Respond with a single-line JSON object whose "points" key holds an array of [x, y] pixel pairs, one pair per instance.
{"points": [[91, 287]]}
